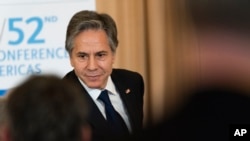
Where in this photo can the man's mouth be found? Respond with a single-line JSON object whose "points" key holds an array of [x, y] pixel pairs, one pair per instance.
{"points": [[93, 77], [96, 75]]}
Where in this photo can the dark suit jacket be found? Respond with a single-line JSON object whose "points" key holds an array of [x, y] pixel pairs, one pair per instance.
{"points": [[133, 101]]}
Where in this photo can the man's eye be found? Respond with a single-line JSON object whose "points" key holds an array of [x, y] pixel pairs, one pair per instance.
{"points": [[101, 55], [82, 56]]}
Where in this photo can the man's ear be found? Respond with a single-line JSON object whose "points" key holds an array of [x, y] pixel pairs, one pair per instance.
{"points": [[113, 57], [71, 61], [86, 133], [5, 133]]}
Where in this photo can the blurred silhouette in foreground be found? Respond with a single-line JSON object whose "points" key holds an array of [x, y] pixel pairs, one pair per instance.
{"points": [[2, 117], [221, 97], [45, 108]]}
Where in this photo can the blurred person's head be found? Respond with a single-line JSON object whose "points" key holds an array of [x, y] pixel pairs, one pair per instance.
{"points": [[2, 117], [222, 30], [45, 108], [2, 111], [91, 42]]}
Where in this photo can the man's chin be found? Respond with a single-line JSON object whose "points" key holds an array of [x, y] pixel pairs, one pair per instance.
{"points": [[94, 82], [94, 85]]}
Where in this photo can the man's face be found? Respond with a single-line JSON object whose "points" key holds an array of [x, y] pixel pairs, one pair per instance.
{"points": [[92, 58]]}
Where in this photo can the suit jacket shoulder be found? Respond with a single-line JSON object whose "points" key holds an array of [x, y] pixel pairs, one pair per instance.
{"points": [[125, 72], [70, 76], [127, 77]]}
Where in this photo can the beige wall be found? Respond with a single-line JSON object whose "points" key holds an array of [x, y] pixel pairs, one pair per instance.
{"points": [[149, 36]]}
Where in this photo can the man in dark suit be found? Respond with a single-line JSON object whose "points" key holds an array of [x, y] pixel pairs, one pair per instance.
{"points": [[115, 95]]}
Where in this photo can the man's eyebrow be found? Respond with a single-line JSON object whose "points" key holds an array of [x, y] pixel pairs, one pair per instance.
{"points": [[101, 52], [81, 53], [85, 53]]}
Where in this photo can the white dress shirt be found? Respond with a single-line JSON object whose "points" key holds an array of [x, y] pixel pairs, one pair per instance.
{"points": [[114, 98]]}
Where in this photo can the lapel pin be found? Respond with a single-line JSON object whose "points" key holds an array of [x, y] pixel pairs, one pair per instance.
{"points": [[127, 91]]}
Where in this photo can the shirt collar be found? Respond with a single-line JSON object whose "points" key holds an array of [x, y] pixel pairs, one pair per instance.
{"points": [[94, 93], [111, 86]]}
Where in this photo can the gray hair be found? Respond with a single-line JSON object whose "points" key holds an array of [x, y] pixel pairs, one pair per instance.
{"points": [[85, 20]]}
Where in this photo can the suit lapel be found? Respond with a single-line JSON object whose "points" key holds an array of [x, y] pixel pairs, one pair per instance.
{"points": [[95, 118], [127, 97]]}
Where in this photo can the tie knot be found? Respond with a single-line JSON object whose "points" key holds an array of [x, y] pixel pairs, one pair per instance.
{"points": [[104, 97]]}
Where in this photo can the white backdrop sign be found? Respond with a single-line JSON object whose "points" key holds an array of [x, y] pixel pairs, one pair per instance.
{"points": [[32, 36]]}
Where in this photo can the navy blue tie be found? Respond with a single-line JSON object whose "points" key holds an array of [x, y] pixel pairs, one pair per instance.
{"points": [[114, 119]]}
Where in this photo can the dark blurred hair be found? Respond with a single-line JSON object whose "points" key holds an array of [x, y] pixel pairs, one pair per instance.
{"points": [[46, 108], [85, 20], [222, 13], [2, 111]]}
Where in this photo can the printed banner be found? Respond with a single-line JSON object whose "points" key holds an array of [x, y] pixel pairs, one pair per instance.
{"points": [[32, 38]]}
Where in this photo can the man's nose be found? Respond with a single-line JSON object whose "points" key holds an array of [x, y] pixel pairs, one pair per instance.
{"points": [[92, 63]]}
